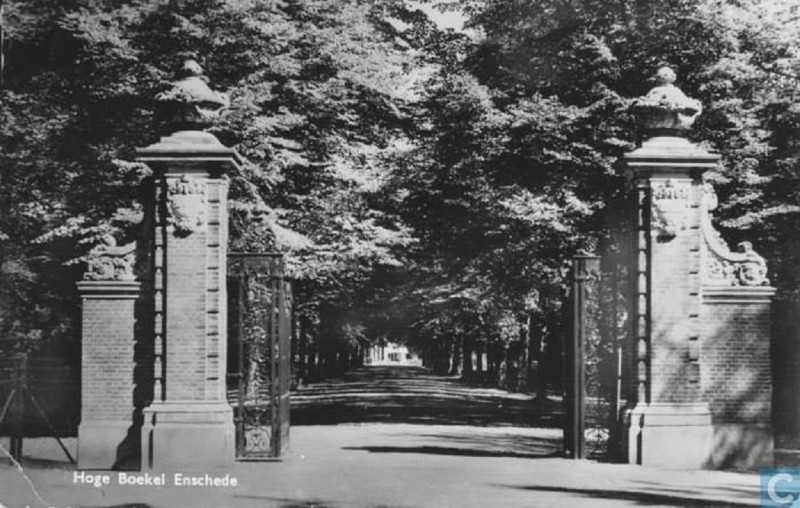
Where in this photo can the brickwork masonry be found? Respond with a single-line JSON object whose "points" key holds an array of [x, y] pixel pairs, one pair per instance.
{"points": [[735, 349], [107, 386]]}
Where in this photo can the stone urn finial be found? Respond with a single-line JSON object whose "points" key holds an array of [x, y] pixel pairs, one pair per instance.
{"points": [[190, 104], [666, 110]]}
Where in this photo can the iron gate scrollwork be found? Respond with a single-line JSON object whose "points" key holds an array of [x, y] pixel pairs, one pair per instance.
{"points": [[594, 362], [259, 353]]}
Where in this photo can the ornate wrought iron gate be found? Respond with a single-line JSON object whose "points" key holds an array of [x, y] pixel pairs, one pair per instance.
{"points": [[259, 353], [593, 362]]}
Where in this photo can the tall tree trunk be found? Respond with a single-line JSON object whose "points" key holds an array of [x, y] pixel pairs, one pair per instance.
{"points": [[493, 359], [502, 368], [457, 351], [524, 358], [466, 357], [313, 362], [443, 356], [327, 358], [301, 335], [537, 353]]}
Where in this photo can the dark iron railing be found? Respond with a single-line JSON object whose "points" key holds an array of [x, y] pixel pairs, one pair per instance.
{"points": [[259, 353]]}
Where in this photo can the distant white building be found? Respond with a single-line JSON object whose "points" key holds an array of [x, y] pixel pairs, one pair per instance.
{"points": [[391, 354]]}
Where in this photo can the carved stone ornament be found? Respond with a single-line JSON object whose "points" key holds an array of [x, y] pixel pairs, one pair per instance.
{"points": [[670, 208], [722, 267], [109, 262], [666, 109], [186, 206], [190, 104]]}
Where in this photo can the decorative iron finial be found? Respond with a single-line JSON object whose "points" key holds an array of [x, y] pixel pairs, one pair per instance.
{"points": [[190, 104], [666, 110]]}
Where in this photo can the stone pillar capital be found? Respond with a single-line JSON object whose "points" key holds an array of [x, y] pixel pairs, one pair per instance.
{"points": [[190, 152], [190, 106], [665, 114], [669, 156]]}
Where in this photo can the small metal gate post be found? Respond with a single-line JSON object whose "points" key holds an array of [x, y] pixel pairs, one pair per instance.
{"points": [[584, 269]]}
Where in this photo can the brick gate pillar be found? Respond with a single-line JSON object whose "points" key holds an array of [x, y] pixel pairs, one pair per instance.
{"points": [[108, 293], [670, 424], [190, 423], [689, 349]]}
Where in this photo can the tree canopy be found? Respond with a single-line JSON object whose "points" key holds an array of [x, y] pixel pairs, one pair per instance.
{"points": [[425, 184]]}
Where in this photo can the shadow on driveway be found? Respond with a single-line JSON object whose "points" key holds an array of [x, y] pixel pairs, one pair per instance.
{"points": [[415, 395], [641, 498]]}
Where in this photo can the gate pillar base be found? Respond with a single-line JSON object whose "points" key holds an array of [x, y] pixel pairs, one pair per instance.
{"points": [[188, 435], [101, 443], [669, 435]]}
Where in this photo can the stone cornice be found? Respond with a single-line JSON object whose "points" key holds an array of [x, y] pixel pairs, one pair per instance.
{"points": [[109, 289], [190, 148], [738, 294], [670, 152]]}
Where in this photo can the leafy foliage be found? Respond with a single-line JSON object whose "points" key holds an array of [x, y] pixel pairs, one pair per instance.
{"points": [[426, 185]]}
